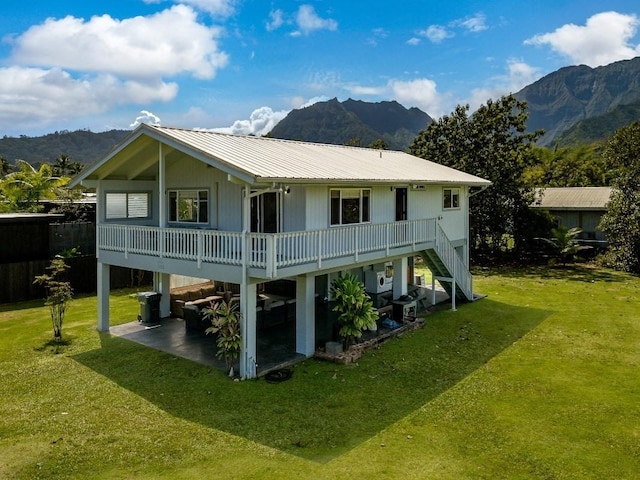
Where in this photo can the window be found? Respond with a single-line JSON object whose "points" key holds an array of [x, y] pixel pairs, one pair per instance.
{"points": [[451, 198], [349, 205], [189, 206], [127, 205]]}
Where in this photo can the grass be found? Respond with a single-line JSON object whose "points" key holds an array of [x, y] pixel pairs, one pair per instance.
{"points": [[538, 380]]}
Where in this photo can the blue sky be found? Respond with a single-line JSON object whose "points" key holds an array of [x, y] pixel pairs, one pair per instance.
{"points": [[241, 65]]}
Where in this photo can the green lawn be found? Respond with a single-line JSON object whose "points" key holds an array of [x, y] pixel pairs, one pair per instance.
{"points": [[538, 380]]}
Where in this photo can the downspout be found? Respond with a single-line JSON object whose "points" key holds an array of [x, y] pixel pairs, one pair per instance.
{"points": [[162, 203]]}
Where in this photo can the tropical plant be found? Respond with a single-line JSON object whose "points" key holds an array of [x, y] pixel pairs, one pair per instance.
{"points": [[355, 308], [26, 186], [58, 292], [564, 242], [225, 322]]}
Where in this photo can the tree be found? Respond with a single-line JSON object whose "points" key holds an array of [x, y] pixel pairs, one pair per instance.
{"points": [[355, 308], [491, 143], [25, 187], [579, 166], [621, 222], [58, 292], [64, 166], [379, 144]]}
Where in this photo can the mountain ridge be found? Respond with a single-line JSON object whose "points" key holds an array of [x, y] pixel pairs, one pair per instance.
{"points": [[343, 122], [561, 99]]}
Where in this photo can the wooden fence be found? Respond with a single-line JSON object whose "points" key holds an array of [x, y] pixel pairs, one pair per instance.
{"points": [[16, 279]]}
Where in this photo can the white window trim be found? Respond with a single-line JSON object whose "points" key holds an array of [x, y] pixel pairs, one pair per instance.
{"points": [[186, 222], [127, 206], [361, 190], [454, 193]]}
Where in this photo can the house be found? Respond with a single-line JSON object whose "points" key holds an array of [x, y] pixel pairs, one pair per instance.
{"points": [[251, 211], [580, 207]]}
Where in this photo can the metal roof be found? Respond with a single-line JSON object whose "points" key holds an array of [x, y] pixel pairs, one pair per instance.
{"points": [[573, 198], [261, 160]]}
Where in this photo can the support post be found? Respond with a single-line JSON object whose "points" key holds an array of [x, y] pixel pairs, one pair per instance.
{"points": [[433, 289], [162, 285], [305, 315], [400, 270], [103, 296], [248, 356]]}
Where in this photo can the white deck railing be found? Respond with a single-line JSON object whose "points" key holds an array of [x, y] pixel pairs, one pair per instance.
{"points": [[270, 251], [453, 263]]}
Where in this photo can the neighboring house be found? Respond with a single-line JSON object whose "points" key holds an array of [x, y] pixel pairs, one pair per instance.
{"points": [[581, 207], [250, 210]]}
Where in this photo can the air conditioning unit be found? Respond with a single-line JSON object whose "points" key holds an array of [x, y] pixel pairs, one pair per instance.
{"points": [[404, 310], [377, 282]]}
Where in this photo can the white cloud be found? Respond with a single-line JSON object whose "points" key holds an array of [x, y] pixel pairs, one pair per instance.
{"points": [[145, 117], [308, 21], [217, 8], [363, 90], [476, 23], [517, 76], [39, 97], [168, 43], [261, 121], [264, 119], [435, 33], [605, 38], [413, 41], [276, 20], [420, 92]]}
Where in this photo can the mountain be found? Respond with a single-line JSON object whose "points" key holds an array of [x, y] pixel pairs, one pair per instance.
{"points": [[82, 146], [563, 98], [341, 122], [599, 128]]}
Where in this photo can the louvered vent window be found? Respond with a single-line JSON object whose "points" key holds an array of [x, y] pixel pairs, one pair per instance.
{"points": [[127, 205]]}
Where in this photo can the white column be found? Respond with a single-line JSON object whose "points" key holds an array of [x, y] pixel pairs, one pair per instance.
{"points": [[305, 315], [162, 201], [162, 285], [248, 356], [103, 296], [400, 270]]}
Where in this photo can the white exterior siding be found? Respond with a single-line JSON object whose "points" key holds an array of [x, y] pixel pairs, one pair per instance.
{"points": [[294, 209], [317, 208], [225, 205]]}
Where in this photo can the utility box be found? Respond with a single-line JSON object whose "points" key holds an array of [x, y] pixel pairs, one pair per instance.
{"points": [[149, 307]]}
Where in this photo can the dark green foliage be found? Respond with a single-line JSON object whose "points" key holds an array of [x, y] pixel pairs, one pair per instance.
{"points": [[621, 223], [354, 123], [600, 128], [564, 242], [577, 166], [82, 145], [355, 308], [491, 144]]}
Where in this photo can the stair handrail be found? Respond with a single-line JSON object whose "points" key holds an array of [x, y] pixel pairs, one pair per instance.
{"points": [[453, 263]]}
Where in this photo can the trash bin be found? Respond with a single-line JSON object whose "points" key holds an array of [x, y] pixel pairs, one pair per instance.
{"points": [[149, 307]]}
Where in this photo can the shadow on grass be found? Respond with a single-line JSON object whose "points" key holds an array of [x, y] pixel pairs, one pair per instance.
{"points": [[324, 410], [570, 272]]}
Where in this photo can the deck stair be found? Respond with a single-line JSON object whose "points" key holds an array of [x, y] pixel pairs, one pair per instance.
{"points": [[448, 268]]}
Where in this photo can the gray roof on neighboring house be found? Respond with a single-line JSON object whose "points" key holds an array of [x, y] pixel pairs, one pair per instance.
{"points": [[265, 160], [573, 198]]}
